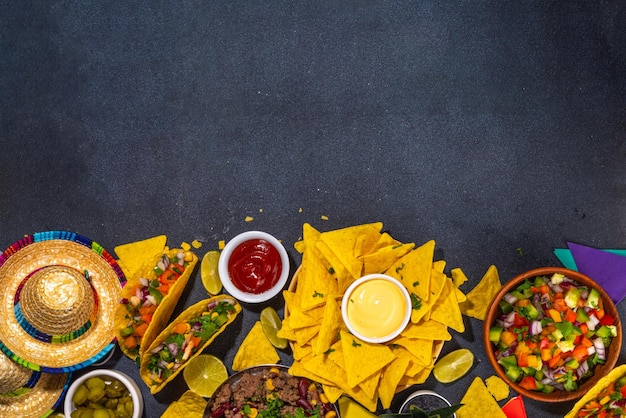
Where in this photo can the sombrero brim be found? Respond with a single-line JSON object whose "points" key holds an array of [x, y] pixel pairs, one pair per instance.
{"points": [[41, 395], [74, 251], [43, 398]]}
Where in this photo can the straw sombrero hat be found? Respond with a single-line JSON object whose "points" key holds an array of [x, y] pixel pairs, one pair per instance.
{"points": [[26, 393], [58, 294]]}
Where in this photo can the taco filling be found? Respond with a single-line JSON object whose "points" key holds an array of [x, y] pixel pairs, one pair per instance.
{"points": [[610, 402], [147, 294], [187, 338]]}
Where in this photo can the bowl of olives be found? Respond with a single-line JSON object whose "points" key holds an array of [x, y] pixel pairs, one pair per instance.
{"points": [[103, 393]]}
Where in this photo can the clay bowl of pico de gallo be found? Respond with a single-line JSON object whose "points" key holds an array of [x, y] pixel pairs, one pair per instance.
{"points": [[551, 333], [272, 389], [253, 267]]}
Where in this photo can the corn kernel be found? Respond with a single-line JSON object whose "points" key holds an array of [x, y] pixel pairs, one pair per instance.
{"points": [[605, 400], [274, 370], [312, 387], [330, 414], [323, 398], [185, 246], [188, 256], [269, 384]]}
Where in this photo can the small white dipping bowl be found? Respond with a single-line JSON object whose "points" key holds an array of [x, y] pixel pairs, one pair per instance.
{"points": [[106, 375], [383, 306], [224, 261]]}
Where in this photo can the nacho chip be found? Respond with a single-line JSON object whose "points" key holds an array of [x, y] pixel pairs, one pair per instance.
{"points": [[387, 251], [437, 285], [446, 310], [458, 277], [427, 330], [478, 402], [392, 373], [363, 359], [498, 388], [189, 405], [422, 350], [329, 329], [315, 282], [479, 298], [351, 242], [414, 270], [133, 254], [333, 393], [439, 265], [255, 349]]}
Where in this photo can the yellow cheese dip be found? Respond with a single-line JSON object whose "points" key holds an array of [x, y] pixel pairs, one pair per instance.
{"points": [[376, 308]]}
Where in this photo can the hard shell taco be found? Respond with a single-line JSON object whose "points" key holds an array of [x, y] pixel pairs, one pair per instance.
{"points": [[184, 338], [606, 398], [149, 298]]}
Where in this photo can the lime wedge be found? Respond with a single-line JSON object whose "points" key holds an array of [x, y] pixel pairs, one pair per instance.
{"points": [[204, 373], [209, 273], [271, 324], [453, 365]]}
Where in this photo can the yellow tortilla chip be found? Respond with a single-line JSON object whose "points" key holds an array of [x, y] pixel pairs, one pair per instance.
{"points": [[437, 286], [351, 242], [446, 309], [427, 330], [297, 318], [333, 393], [387, 251], [458, 277], [392, 373], [134, 254], [498, 388], [315, 282], [255, 350], [337, 268], [478, 402], [414, 270], [332, 322], [422, 350], [363, 359], [189, 405], [479, 298], [439, 265]]}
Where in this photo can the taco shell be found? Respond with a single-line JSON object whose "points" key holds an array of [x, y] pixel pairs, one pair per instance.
{"points": [[194, 311], [163, 312], [613, 376]]}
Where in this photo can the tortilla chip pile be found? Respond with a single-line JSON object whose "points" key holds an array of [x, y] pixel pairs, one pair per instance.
{"points": [[323, 348]]}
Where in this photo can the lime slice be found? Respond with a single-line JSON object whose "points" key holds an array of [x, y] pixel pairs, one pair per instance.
{"points": [[204, 373], [271, 324], [209, 274], [453, 365]]}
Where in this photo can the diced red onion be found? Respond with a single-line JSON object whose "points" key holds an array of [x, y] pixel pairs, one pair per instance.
{"points": [[173, 348], [211, 305], [591, 350], [593, 322], [582, 369], [144, 282], [157, 348], [535, 328], [600, 350], [181, 259], [152, 299], [510, 320], [510, 298]]}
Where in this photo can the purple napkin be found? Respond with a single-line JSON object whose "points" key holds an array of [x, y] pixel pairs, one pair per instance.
{"points": [[606, 268]]}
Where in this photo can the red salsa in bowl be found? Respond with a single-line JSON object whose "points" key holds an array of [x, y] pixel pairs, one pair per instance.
{"points": [[254, 266]]}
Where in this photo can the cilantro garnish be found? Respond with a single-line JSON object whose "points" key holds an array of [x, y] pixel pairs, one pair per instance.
{"points": [[416, 301]]}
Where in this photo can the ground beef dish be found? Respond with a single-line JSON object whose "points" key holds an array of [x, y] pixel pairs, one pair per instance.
{"points": [[270, 392]]}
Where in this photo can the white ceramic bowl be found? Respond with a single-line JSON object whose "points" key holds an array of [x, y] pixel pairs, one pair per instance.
{"points": [[379, 307], [106, 374], [414, 398], [225, 276]]}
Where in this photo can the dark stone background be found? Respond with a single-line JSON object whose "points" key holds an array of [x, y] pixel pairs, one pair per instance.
{"points": [[489, 126]]}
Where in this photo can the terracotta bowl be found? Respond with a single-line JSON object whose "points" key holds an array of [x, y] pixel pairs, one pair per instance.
{"points": [[599, 371]]}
